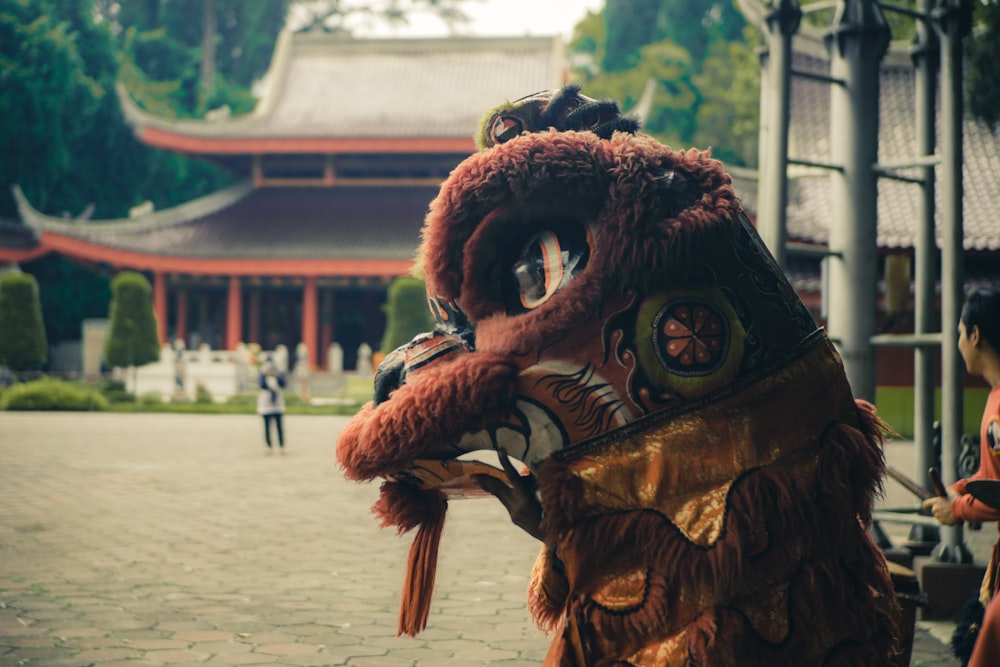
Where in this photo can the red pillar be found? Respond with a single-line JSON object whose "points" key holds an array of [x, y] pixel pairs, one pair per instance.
{"points": [[160, 304], [254, 334], [234, 314], [310, 319], [182, 315], [326, 327]]}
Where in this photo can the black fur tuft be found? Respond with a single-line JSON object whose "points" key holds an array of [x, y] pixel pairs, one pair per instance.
{"points": [[970, 620]]}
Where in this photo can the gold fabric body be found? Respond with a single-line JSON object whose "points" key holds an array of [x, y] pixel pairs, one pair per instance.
{"points": [[676, 480]]}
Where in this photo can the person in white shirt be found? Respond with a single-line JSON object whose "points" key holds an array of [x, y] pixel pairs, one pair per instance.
{"points": [[271, 403]]}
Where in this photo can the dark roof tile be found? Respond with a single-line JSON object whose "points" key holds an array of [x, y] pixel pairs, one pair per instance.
{"points": [[809, 194], [281, 223]]}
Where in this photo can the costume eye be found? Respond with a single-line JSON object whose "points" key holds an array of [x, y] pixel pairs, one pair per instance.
{"points": [[505, 128], [546, 263]]}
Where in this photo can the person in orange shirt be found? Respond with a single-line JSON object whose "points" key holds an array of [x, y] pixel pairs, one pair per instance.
{"points": [[979, 345]]}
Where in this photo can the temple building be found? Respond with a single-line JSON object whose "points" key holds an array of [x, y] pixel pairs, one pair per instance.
{"points": [[338, 164], [346, 149]]}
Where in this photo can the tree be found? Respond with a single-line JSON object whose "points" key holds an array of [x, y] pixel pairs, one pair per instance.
{"points": [[982, 84], [694, 26], [69, 295], [198, 54], [691, 62], [23, 346], [406, 312], [728, 118], [132, 337], [348, 15], [62, 118]]}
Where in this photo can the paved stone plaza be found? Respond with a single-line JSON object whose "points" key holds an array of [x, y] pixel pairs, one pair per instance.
{"points": [[143, 540]]}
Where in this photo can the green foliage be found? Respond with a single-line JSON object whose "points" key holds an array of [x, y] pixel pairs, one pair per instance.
{"points": [[62, 118], [23, 345], [52, 93], [694, 26], [69, 295], [631, 24], [202, 394], [151, 398], [165, 58], [132, 337], [982, 83], [690, 61], [51, 394], [406, 312], [242, 400], [110, 384], [114, 391], [586, 48], [190, 407], [728, 118]]}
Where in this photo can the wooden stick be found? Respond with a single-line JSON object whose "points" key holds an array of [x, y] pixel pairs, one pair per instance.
{"points": [[939, 488], [910, 485]]}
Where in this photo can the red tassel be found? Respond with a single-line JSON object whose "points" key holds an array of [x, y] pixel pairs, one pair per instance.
{"points": [[415, 605], [405, 506]]}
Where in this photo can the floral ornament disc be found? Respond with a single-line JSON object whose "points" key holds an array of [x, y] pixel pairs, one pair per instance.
{"points": [[691, 337]]}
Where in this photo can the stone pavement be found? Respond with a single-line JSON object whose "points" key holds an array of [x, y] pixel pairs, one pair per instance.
{"points": [[148, 540]]}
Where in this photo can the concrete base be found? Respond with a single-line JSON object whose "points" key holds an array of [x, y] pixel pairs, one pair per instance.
{"points": [[947, 585]]}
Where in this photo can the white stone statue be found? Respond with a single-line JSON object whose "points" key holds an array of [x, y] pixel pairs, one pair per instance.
{"points": [[180, 369], [364, 359], [280, 358], [302, 370], [335, 358]]}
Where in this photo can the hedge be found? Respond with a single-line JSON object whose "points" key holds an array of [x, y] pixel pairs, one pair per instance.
{"points": [[50, 394], [406, 312]]}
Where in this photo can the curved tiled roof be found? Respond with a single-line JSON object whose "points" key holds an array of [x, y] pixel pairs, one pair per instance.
{"points": [[377, 223], [331, 86]]}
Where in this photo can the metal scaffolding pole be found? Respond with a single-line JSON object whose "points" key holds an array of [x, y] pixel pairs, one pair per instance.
{"points": [[925, 62], [953, 22], [772, 185], [857, 41]]}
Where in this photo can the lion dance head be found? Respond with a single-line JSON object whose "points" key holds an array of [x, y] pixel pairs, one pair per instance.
{"points": [[607, 314]]}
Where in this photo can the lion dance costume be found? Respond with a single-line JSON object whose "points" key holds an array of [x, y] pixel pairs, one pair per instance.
{"points": [[607, 314]]}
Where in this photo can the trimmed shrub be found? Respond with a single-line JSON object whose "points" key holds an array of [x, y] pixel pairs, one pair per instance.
{"points": [[406, 312], [151, 398], [202, 394], [132, 337], [23, 346], [114, 390], [118, 396], [106, 384], [51, 394]]}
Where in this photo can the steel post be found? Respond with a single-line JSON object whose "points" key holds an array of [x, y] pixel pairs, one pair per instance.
{"points": [[772, 186], [856, 42], [925, 58], [952, 22]]}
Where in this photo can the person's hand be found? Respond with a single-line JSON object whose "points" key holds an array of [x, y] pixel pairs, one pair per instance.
{"points": [[940, 507], [518, 497]]}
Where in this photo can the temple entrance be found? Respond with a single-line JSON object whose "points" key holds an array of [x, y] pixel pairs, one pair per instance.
{"points": [[199, 318], [279, 317]]}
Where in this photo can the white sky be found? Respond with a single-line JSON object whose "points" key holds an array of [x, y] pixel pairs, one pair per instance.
{"points": [[502, 17]]}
